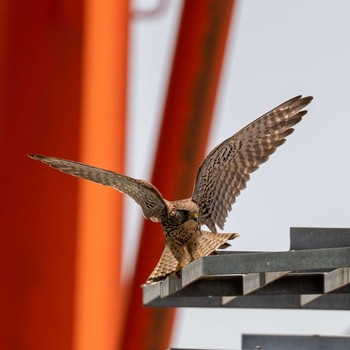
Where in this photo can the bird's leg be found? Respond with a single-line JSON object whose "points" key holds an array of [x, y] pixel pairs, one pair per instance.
{"points": [[178, 269]]}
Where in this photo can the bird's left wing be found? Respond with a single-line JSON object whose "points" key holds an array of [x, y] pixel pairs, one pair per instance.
{"points": [[144, 193], [225, 171]]}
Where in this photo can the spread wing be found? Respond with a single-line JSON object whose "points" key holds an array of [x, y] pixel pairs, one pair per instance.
{"points": [[144, 193], [225, 171]]}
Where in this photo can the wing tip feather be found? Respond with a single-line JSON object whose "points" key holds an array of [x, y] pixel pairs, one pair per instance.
{"points": [[35, 156]]}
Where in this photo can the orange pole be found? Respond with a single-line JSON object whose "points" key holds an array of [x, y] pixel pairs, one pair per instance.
{"points": [[40, 89], [59, 290], [98, 295], [186, 123]]}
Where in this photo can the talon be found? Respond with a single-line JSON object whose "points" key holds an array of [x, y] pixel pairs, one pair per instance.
{"points": [[178, 270], [178, 267]]}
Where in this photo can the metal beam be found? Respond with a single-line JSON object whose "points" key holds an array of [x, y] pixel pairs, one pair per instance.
{"points": [[235, 264], [292, 342], [310, 279], [318, 237], [334, 281], [254, 281], [226, 286], [326, 302]]}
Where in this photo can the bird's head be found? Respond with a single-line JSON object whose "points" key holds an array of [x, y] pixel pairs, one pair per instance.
{"points": [[185, 218], [183, 212], [183, 215]]}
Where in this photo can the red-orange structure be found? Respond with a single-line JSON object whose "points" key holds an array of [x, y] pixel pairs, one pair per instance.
{"points": [[60, 243], [39, 112], [98, 294], [63, 77]]}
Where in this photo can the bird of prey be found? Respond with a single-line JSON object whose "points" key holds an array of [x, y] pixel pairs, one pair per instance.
{"points": [[220, 179]]}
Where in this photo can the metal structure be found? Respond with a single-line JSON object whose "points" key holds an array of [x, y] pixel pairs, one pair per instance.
{"points": [[313, 274], [292, 342], [289, 342]]}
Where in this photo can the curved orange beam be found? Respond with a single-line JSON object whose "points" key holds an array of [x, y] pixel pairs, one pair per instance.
{"points": [[98, 310], [186, 123]]}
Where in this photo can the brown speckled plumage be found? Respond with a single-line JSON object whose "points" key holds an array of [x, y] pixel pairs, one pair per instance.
{"points": [[225, 171], [220, 179], [204, 242]]}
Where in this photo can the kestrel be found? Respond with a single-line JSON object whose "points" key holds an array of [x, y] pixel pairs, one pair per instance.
{"points": [[220, 179]]}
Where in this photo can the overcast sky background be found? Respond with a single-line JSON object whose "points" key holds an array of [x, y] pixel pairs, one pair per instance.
{"points": [[276, 50]]}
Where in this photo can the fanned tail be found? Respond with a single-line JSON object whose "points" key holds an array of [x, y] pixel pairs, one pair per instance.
{"points": [[166, 265], [204, 244], [208, 242]]}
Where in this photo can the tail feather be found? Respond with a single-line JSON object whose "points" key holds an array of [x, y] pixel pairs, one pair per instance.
{"points": [[165, 266], [204, 244], [208, 242], [225, 245]]}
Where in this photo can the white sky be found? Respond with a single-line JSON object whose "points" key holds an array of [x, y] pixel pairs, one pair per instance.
{"points": [[277, 49]]}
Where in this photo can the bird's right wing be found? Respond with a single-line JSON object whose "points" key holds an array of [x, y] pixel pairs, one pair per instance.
{"points": [[144, 193], [225, 171]]}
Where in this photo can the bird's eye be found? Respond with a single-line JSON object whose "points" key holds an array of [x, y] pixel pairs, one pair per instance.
{"points": [[183, 215]]}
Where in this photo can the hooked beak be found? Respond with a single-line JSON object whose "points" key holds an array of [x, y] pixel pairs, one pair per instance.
{"points": [[194, 216]]}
